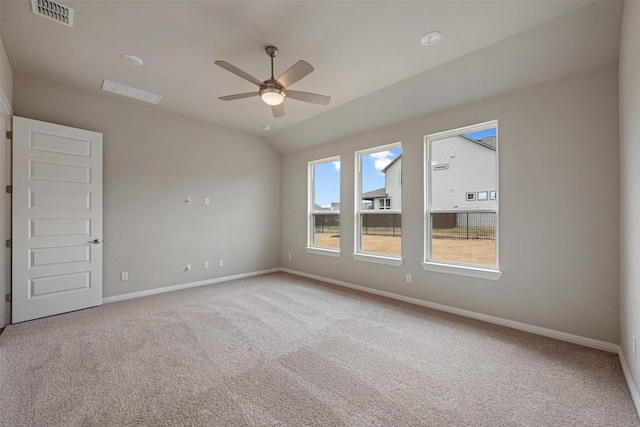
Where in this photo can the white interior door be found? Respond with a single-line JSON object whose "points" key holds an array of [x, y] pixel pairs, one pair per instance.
{"points": [[57, 219]]}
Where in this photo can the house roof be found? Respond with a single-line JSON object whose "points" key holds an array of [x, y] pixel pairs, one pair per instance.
{"points": [[489, 142], [375, 194], [392, 162]]}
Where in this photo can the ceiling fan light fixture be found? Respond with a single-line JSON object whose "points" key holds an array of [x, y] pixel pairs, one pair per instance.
{"points": [[272, 95]]}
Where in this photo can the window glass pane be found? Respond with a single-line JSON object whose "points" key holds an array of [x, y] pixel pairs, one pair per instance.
{"points": [[381, 233], [326, 230], [380, 178], [325, 219], [462, 167], [462, 178], [465, 237]]}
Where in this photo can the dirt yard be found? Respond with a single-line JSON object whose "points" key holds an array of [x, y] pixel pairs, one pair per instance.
{"points": [[468, 251]]}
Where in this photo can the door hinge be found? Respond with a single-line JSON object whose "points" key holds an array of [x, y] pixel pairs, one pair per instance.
{"points": [[10, 134], [9, 189], [8, 243], [7, 297]]}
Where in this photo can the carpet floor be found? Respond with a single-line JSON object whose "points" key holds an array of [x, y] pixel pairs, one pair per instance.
{"points": [[283, 350]]}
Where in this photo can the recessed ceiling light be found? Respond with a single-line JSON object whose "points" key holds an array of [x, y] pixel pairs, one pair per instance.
{"points": [[431, 38], [131, 59], [266, 127]]}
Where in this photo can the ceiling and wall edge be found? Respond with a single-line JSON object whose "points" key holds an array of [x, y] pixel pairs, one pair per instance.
{"points": [[570, 40]]}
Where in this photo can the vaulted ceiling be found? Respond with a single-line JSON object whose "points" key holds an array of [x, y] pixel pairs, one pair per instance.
{"points": [[367, 55]]}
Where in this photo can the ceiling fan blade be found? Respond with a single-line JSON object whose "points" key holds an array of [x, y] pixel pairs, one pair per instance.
{"points": [[277, 110], [314, 98], [297, 71], [238, 72], [238, 96]]}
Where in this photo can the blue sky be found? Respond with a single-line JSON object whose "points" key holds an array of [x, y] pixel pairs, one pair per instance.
{"points": [[482, 134], [327, 176]]}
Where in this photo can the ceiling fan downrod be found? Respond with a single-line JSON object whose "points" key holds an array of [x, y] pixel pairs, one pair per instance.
{"points": [[272, 51]]}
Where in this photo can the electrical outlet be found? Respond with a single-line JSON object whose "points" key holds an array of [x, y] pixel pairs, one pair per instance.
{"points": [[220, 263], [206, 201], [187, 200], [633, 339], [408, 278], [289, 257], [206, 265], [187, 267], [124, 275]]}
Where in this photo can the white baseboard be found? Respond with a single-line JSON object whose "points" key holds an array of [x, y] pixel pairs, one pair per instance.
{"points": [[186, 285], [563, 336], [627, 376]]}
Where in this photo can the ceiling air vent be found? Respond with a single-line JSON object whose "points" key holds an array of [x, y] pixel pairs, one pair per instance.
{"points": [[53, 10], [131, 92]]}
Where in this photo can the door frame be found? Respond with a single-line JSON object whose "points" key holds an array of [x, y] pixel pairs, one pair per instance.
{"points": [[6, 113]]}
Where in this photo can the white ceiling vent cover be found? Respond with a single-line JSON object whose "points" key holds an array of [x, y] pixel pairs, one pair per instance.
{"points": [[53, 10], [131, 92]]}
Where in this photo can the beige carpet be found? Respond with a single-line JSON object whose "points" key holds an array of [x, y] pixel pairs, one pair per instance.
{"points": [[281, 350]]}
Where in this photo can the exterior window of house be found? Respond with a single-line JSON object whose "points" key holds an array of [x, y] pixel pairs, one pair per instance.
{"points": [[461, 213], [378, 203], [324, 207], [385, 203]]}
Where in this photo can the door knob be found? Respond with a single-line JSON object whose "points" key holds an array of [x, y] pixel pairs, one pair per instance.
{"points": [[95, 241]]}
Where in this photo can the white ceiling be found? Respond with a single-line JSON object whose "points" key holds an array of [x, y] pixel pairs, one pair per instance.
{"points": [[366, 55]]}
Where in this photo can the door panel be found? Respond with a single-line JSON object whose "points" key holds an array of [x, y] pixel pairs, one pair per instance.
{"points": [[57, 215]]}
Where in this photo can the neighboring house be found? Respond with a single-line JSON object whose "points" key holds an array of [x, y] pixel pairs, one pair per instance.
{"points": [[390, 196], [463, 173], [335, 207]]}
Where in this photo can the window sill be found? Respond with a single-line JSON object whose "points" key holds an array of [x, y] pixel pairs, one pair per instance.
{"points": [[325, 252], [378, 259], [461, 270]]}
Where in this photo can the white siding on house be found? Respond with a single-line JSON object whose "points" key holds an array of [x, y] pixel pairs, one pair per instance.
{"points": [[392, 185], [471, 168]]}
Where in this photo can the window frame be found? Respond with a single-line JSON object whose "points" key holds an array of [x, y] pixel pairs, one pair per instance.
{"points": [[453, 267], [358, 254], [311, 212]]}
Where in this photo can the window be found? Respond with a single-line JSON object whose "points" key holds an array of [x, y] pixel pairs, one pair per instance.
{"points": [[324, 206], [461, 217], [379, 205]]}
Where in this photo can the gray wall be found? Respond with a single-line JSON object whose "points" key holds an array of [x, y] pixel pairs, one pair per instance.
{"points": [[559, 208], [152, 161], [630, 185]]}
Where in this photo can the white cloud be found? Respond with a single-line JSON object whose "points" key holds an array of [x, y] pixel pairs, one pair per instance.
{"points": [[381, 159], [336, 165]]}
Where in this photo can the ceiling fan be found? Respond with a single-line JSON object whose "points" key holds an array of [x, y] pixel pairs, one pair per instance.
{"points": [[273, 91]]}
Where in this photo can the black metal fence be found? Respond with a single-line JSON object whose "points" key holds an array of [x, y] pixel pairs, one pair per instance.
{"points": [[453, 226], [382, 224], [464, 226], [327, 223]]}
